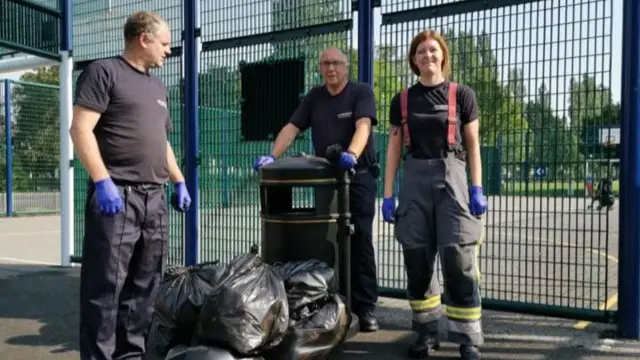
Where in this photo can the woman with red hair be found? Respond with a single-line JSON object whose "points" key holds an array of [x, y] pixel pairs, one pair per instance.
{"points": [[437, 213]]}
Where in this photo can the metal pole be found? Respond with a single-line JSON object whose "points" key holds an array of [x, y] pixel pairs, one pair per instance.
{"points": [[66, 146], [192, 156], [629, 242], [8, 150], [365, 41]]}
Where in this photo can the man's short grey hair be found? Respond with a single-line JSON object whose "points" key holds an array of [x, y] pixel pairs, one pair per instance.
{"points": [[142, 22], [344, 55]]}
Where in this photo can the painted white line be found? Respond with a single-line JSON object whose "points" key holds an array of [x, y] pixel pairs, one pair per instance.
{"points": [[26, 261]]}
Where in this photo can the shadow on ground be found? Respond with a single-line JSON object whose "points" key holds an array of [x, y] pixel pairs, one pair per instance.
{"points": [[39, 320], [38, 310]]}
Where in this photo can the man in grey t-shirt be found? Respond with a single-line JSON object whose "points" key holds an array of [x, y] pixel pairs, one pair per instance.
{"points": [[119, 129]]}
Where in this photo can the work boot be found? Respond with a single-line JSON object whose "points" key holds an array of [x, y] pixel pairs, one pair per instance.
{"points": [[469, 352], [424, 345], [368, 322]]}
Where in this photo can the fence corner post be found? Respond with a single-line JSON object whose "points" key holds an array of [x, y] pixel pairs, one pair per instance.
{"points": [[192, 113], [365, 41], [628, 319], [66, 146], [8, 150]]}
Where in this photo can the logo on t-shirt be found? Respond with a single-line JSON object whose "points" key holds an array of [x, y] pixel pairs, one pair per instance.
{"points": [[440, 107], [162, 103], [344, 115]]}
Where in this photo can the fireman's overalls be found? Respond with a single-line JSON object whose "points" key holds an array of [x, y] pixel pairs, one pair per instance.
{"points": [[432, 218]]}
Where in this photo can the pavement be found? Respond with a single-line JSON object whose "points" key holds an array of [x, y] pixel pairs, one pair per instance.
{"points": [[566, 262]]}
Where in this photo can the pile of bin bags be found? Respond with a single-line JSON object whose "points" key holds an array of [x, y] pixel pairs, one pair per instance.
{"points": [[248, 310]]}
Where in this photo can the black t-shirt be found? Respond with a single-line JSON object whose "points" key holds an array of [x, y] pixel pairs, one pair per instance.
{"points": [[132, 131], [427, 109], [332, 118]]}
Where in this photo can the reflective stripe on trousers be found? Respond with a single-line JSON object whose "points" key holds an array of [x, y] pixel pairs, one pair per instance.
{"points": [[433, 218]]}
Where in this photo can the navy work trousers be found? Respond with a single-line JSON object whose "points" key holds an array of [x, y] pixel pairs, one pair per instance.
{"points": [[364, 284], [123, 260]]}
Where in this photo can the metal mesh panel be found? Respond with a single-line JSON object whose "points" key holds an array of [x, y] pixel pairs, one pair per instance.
{"points": [[53, 4], [229, 187], [30, 27], [3, 159], [98, 25], [250, 31], [541, 72], [228, 19], [36, 145]]}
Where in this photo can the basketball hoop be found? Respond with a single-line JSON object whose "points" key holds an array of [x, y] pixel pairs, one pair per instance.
{"points": [[608, 144]]}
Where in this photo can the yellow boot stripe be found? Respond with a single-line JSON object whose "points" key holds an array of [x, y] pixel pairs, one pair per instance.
{"points": [[426, 304]]}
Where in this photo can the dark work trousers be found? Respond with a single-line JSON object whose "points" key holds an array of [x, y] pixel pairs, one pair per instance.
{"points": [[433, 218], [123, 260], [364, 284]]}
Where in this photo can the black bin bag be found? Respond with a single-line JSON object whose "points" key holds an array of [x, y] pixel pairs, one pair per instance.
{"points": [[182, 352], [315, 337], [308, 284], [247, 312], [177, 307]]}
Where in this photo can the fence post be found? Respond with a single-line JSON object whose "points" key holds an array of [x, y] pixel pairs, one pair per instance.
{"points": [[66, 146], [192, 156], [629, 240], [365, 41], [8, 150]]}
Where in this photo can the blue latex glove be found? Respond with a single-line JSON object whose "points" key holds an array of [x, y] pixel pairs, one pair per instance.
{"points": [[389, 209], [478, 202], [347, 160], [262, 161], [180, 200], [108, 197]]}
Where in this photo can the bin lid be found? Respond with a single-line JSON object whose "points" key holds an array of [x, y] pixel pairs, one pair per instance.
{"points": [[302, 167]]}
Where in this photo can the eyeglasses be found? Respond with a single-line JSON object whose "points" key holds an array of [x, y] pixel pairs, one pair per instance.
{"points": [[334, 63]]}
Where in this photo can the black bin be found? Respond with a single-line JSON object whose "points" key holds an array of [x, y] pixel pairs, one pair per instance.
{"points": [[305, 215]]}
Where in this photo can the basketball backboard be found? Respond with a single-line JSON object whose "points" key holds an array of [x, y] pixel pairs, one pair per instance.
{"points": [[609, 136]]}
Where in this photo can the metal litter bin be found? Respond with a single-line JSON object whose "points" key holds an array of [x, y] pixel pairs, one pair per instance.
{"points": [[305, 215]]}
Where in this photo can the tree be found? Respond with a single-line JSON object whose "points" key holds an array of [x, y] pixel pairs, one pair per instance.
{"points": [[555, 145], [501, 111], [36, 141], [292, 14], [587, 100], [387, 81]]}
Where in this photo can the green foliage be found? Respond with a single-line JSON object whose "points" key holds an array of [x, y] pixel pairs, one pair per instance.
{"points": [[387, 81], [36, 141]]}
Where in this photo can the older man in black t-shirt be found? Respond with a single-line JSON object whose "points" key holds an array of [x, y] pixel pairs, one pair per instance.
{"points": [[343, 112], [119, 129]]}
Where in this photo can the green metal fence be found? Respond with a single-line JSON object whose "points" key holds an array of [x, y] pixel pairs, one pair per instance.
{"points": [[541, 71], [34, 115]]}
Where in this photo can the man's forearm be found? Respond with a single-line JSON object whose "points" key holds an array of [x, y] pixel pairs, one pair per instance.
{"points": [[284, 140], [175, 174], [360, 139], [88, 152]]}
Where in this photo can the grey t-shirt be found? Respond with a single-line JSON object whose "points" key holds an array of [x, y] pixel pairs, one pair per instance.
{"points": [[332, 118], [132, 131]]}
